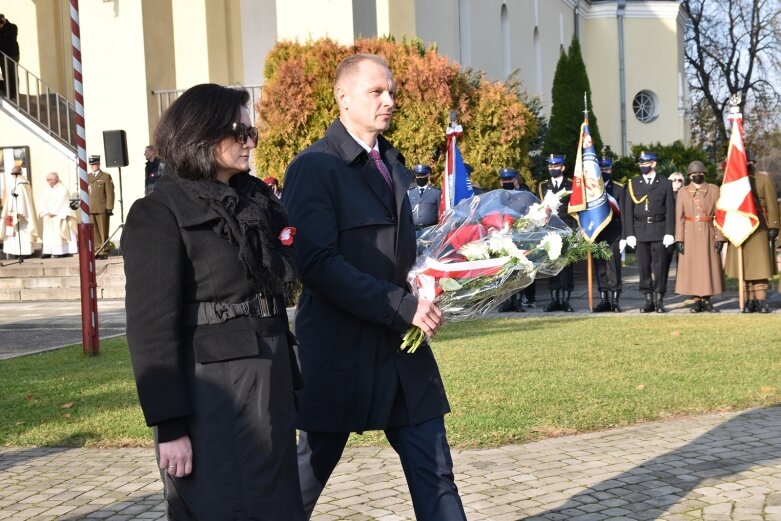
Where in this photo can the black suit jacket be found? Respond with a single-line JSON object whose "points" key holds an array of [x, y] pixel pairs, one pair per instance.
{"points": [[612, 232], [355, 244], [649, 209], [565, 184]]}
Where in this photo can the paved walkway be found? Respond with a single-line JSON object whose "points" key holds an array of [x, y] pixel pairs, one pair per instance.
{"points": [[715, 467]]}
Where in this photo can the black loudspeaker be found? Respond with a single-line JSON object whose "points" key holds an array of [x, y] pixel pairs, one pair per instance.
{"points": [[115, 148]]}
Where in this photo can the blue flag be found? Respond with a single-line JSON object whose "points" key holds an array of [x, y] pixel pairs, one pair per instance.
{"points": [[589, 203]]}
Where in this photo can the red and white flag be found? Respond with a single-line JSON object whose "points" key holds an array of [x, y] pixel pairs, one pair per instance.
{"points": [[736, 212]]}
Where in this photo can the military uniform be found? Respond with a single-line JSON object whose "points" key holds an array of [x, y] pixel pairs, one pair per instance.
{"points": [[757, 265], [425, 205], [649, 216], [561, 285], [101, 205], [608, 271]]}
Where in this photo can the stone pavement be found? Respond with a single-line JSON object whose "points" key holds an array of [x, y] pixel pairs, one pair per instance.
{"points": [[715, 467]]}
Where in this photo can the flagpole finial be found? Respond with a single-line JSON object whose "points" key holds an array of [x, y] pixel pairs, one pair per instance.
{"points": [[453, 118], [585, 106], [734, 102]]}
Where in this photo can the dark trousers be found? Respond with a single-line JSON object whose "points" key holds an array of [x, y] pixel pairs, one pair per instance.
{"points": [[565, 280], [653, 264], [9, 76], [425, 458], [609, 271]]}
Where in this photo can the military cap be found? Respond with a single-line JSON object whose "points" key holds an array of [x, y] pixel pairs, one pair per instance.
{"points": [[556, 159], [645, 157], [508, 173], [94, 160], [696, 167], [605, 162], [421, 170]]}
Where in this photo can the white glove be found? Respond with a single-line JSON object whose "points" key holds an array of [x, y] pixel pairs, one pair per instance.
{"points": [[621, 245], [668, 240], [631, 241]]}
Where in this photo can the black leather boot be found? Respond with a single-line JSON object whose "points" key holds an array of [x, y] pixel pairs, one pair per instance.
{"points": [[762, 306], [565, 302], [554, 301], [707, 305], [649, 304], [697, 306], [604, 303], [750, 307], [660, 303], [615, 306], [517, 301]]}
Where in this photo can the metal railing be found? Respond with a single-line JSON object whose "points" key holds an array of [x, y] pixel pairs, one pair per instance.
{"points": [[40, 102], [167, 96]]}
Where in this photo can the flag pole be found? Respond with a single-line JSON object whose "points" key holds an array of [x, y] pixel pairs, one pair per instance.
{"points": [[589, 259], [741, 283]]}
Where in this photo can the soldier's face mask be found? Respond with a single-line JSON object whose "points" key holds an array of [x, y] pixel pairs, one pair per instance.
{"points": [[508, 185], [645, 169], [422, 181], [555, 171], [697, 178]]}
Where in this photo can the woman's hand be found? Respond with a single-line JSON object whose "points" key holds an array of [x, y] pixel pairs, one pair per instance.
{"points": [[176, 457]]}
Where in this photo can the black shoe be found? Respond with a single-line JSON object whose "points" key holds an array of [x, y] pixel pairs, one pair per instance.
{"points": [[762, 306], [565, 306], [660, 304], [614, 304], [649, 304], [697, 306], [707, 305], [750, 307], [517, 303], [553, 306], [531, 303], [604, 303]]}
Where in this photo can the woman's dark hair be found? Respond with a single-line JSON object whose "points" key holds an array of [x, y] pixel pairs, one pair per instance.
{"points": [[194, 124]]}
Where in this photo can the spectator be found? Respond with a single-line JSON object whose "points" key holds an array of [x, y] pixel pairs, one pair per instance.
{"points": [[10, 47], [153, 169]]}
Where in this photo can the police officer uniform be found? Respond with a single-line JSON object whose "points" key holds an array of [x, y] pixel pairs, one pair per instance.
{"points": [[561, 285], [424, 198], [510, 180], [649, 228], [609, 271], [101, 204]]}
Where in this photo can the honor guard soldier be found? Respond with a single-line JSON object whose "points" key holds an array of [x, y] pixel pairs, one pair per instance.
{"points": [[649, 228], [101, 204], [424, 198], [561, 285], [609, 271], [758, 256], [510, 180]]}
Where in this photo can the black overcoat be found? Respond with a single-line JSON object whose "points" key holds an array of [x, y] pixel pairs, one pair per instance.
{"points": [[229, 386], [355, 244]]}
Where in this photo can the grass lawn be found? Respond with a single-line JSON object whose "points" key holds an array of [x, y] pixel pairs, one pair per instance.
{"points": [[508, 380]]}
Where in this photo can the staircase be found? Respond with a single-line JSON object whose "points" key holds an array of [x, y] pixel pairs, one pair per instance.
{"points": [[58, 279]]}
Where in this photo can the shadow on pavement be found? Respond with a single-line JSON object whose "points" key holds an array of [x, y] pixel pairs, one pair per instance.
{"points": [[648, 490]]}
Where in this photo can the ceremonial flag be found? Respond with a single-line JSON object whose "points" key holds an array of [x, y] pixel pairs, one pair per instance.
{"points": [[455, 181], [589, 203], [736, 211]]}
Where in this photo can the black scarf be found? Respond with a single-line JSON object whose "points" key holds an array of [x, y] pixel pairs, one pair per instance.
{"points": [[252, 218]]}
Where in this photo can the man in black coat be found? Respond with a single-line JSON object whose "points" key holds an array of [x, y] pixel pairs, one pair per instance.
{"points": [[347, 197], [562, 285], [609, 271], [9, 46], [649, 228]]}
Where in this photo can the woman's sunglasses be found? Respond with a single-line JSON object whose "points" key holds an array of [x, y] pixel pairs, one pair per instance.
{"points": [[241, 132]]}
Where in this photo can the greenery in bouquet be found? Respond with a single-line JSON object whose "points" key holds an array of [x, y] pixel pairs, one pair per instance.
{"points": [[489, 247]]}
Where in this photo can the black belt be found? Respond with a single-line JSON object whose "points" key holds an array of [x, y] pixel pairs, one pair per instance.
{"points": [[651, 219], [204, 313]]}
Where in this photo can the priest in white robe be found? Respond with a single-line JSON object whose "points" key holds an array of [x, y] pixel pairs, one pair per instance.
{"points": [[59, 222], [19, 229]]}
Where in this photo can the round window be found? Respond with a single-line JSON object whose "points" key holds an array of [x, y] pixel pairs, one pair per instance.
{"points": [[646, 106]]}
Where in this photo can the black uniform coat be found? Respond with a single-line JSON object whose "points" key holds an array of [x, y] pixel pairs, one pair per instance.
{"points": [[564, 184], [355, 245], [645, 202], [612, 232], [228, 386]]}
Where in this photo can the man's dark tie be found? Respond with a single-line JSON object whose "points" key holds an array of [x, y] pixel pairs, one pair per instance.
{"points": [[382, 168], [422, 190]]}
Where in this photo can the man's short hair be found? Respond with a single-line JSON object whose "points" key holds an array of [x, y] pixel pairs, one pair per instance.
{"points": [[350, 64]]}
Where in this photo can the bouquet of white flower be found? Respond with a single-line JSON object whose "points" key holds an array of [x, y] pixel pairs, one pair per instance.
{"points": [[487, 248]]}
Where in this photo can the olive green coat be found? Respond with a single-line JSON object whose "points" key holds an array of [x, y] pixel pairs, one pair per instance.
{"points": [[756, 249]]}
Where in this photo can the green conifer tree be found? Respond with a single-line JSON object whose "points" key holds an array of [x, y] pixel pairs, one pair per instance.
{"points": [[570, 81]]}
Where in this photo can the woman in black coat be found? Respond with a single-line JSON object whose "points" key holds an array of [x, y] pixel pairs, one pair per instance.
{"points": [[207, 256]]}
